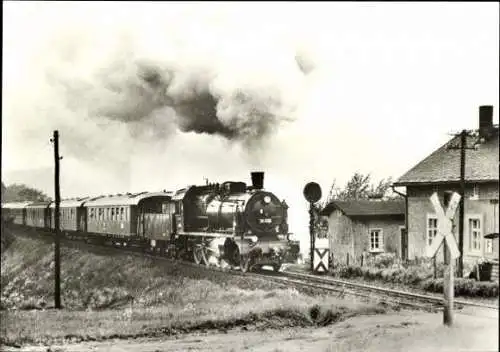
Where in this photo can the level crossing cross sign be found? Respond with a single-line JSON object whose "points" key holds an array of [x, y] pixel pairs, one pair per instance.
{"points": [[444, 223], [321, 260]]}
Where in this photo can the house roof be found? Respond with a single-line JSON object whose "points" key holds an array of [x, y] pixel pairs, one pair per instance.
{"points": [[443, 165], [367, 208]]}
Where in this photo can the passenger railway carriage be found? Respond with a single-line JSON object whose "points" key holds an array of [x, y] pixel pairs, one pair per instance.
{"points": [[15, 212], [245, 226], [72, 215], [130, 216], [37, 215]]}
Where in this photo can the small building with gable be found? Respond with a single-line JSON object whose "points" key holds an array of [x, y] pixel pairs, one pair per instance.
{"points": [[360, 229]]}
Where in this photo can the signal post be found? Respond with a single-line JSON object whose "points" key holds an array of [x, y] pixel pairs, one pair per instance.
{"points": [[318, 256]]}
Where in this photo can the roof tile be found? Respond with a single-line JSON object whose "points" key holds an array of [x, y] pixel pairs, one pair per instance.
{"points": [[443, 165]]}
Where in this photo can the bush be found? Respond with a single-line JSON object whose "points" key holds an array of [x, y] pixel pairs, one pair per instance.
{"points": [[384, 260], [464, 287], [420, 276]]}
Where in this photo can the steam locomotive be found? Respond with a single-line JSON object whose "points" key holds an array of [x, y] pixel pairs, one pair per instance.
{"points": [[232, 223]]}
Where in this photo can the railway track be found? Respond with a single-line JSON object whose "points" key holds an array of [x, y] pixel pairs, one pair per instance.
{"points": [[392, 293], [341, 288]]}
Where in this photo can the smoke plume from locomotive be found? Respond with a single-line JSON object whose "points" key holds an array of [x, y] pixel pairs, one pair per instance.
{"points": [[169, 94]]}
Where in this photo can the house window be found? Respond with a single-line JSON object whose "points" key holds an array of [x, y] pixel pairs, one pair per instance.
{"points": [[475, 234], [376, 240], [488, 245], [432, 228]]}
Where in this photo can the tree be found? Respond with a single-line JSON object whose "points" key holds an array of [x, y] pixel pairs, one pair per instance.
{"points": [[21, 192], [361, 187], [3, 191]]}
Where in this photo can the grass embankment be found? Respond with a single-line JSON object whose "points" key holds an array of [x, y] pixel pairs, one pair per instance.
{"points": [[115, 295]]}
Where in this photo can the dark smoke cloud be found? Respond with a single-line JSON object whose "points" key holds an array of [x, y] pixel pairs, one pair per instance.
{"points": [[157, 98]]}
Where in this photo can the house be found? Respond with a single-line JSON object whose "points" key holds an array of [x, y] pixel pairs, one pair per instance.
{"points": [[440, 172], [361, 228]]}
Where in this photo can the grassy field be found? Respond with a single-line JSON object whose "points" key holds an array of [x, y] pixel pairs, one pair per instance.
{"points": [[123, 296]]}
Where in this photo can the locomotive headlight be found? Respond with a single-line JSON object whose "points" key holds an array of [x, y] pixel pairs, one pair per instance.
{"points": [[267, 199]]}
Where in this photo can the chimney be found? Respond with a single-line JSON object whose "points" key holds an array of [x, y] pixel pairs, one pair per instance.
{"points": [[485, 120], [257, 180]]}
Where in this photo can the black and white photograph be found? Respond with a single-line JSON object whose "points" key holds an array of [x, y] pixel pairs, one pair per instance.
{"points": [[250, 176]]}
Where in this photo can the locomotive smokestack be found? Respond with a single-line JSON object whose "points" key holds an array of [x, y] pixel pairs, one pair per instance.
{"points": [[257, 180]]}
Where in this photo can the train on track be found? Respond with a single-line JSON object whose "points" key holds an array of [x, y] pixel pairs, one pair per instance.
{"points": [[241, 225]]}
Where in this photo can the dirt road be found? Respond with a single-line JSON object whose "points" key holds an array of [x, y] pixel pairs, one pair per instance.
{"points": [[405, 331]]}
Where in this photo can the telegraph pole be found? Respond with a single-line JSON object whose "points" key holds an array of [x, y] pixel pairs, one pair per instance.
{"points": [[57, 259], [461, 209]]}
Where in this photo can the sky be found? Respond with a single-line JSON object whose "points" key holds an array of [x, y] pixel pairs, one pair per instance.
{"points": [[159, 95]]}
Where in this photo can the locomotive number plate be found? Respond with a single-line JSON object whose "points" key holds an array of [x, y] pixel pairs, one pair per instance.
{"points": [[265, 221]]}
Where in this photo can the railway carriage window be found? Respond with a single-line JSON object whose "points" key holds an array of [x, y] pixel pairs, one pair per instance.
{"points": [[122, 210], [117, 211], [112, 213]]}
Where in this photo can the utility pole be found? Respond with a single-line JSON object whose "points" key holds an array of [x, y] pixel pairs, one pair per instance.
{"points": [[461, 208], [461, 211], [57, 259]]}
